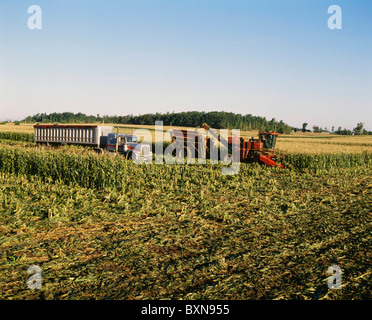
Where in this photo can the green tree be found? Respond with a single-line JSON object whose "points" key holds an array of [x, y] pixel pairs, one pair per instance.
{"points": [[359, 128]]}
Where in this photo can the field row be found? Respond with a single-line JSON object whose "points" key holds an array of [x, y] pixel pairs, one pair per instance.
{"points": [[17, 136], [93, 171]]}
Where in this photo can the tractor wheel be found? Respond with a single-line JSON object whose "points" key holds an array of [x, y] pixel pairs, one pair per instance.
{"points": [[256, 157]]}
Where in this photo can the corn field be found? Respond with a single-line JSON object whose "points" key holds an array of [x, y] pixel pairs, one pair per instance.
{"points": [[17, 136], [102, 227], [327, 161], [92, 171]]}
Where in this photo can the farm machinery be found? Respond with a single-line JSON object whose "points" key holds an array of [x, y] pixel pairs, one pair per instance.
{"points": [[186, 142], [99, 138], [261, 150]]}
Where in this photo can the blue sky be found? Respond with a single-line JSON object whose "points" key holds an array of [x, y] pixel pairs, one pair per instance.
{"points": [[274, 58]]}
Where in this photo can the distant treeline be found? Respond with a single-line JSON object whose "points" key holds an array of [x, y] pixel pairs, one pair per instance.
{"points": [[216, 119]]}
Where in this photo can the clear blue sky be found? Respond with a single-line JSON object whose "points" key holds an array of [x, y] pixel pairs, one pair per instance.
{"points": [[274, 58]]}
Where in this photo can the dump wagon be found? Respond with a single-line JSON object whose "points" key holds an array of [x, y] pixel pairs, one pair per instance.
{"points": [[87, 135]]}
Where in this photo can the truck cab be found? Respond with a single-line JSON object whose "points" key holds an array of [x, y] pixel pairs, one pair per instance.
{"points": [[127, 145]]}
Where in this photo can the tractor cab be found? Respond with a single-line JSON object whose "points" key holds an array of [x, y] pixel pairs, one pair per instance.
{"points": [[268, 139]]}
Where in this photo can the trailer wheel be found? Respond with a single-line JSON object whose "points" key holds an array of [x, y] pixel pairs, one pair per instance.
{"points": [[128, 155], [98, 150]]}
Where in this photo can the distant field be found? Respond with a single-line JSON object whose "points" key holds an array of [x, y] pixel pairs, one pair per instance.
{"points": [[330, 144], [11, 127], [306, 143]]}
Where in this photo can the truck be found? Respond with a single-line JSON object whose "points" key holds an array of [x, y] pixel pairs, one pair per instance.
{"points": [[100, 138], [127, 145]]}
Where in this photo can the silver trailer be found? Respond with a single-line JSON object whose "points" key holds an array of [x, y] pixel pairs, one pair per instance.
{"points": [[88, 135]]}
